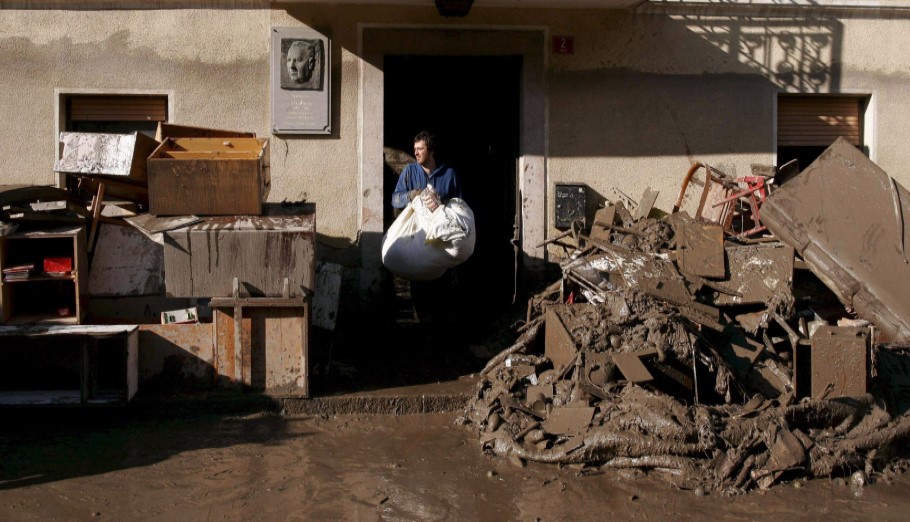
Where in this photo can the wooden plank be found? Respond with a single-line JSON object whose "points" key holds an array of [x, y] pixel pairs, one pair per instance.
{"points": [[225, 348], [114, 188], [171, 130], [246, 343], [60, 205], [603, 222], [646, 203], [632, 368], [149, 224], [96, 213], [559, 346]]}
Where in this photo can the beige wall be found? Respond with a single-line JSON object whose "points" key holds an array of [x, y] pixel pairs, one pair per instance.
{"points": [[644, 95]]}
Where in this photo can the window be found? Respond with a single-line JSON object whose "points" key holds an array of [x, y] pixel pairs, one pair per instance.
{"points": [[808, 124], [114, 113]]}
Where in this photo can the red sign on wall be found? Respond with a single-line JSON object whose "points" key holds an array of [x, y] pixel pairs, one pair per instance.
{"points": [[563, 45]]}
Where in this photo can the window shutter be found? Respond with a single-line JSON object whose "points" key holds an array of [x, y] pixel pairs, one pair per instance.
{"points": [[806, 121], [117, 108]]}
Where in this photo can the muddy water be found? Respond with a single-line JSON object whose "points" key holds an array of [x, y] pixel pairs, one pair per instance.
{"points": [[266, 467]]}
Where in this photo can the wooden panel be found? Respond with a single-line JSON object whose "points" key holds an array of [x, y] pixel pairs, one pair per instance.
{"points": [[170, 130], [224, 347], [274, 354], [232, 362], [123, 156], [117, 108], [819, 120], [202, 262], [279, 349], [205, 187]]}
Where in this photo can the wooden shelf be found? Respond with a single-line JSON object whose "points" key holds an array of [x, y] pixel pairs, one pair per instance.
{"points": [[42, 319], [68, 277], [74, 365], [37, 299]]}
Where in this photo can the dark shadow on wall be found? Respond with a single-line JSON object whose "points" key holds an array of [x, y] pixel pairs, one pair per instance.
{"points": [[624, 110]]}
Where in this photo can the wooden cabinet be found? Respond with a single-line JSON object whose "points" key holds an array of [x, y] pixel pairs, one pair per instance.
{"points": [[61, 365], [41, 297]]}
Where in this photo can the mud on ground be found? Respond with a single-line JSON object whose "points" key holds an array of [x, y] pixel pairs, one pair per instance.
{"points": [[141, 466]]}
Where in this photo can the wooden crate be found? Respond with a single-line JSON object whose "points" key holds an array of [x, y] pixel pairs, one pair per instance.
{"points": [[209, 176]]}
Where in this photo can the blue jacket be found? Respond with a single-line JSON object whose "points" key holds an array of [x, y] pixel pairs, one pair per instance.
{"points": [[444, 180]]}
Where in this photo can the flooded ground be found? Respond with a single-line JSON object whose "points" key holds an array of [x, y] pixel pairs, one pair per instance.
{"points": [[141, 465]]}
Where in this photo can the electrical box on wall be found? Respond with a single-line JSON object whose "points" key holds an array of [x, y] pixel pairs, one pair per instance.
{"points": [[571, 202]]}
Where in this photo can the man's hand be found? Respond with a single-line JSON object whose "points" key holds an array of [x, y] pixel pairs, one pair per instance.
{"points": [[430, 200]]}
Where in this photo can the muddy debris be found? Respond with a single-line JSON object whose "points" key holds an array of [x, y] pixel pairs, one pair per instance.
{"points": [[709, 353]]}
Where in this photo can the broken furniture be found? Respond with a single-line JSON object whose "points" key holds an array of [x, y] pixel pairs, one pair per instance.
{"points": [[259, 272], [703, 204], [846, 217], [42, 295], [68, 365], [114, 165], [209, 176]]}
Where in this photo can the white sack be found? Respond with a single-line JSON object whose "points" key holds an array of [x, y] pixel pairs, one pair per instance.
{"points": [[421, 245]]}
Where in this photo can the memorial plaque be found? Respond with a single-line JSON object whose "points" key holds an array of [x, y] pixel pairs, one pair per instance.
{"points": [[301, 83]]}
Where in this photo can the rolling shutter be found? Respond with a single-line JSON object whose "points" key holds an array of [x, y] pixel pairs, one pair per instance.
{"points": [[807, 121], [116, 108]]}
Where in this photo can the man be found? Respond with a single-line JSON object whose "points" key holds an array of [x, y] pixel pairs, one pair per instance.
{"points": [[301, 62], [430, 297], [415, 176]]}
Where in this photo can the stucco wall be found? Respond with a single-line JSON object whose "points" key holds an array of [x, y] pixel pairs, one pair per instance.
{"points": [[645, 93]]}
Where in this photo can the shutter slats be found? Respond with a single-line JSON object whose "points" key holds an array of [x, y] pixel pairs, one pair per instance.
{"points": [[804, 121], [117, 108]]}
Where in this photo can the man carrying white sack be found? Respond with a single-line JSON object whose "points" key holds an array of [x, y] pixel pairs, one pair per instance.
{"points": [[431, 297]]}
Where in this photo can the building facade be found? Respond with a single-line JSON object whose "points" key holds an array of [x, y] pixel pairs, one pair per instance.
{"points": [[615, 95]]}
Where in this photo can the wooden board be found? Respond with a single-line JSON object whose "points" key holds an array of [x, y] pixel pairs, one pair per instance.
{"points": [[212, 187], [122, 156], [701, 249], [170, 130], [273, 351]]}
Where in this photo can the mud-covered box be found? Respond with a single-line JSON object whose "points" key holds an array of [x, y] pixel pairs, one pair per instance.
{"points": [[209, 176]]}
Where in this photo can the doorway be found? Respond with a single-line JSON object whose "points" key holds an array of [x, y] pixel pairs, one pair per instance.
{"points": [[472, 104]]}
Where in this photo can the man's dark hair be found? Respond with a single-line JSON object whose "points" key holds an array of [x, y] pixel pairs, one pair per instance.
{"points": [[428, 138]]}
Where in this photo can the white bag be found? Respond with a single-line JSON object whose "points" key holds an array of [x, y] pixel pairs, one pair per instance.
{"points": [[421, 245]]}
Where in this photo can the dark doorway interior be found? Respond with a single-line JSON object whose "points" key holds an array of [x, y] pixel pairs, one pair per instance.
{"points": [[472, 105]]}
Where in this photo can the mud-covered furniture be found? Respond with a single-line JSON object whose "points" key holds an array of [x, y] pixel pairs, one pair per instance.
{"points": [[57, 365]]}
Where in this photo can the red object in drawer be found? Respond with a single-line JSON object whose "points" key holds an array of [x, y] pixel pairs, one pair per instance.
{"points": [[58, 264]]}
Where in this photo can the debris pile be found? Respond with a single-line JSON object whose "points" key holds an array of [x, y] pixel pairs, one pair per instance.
{"points": [[705, 348]]}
